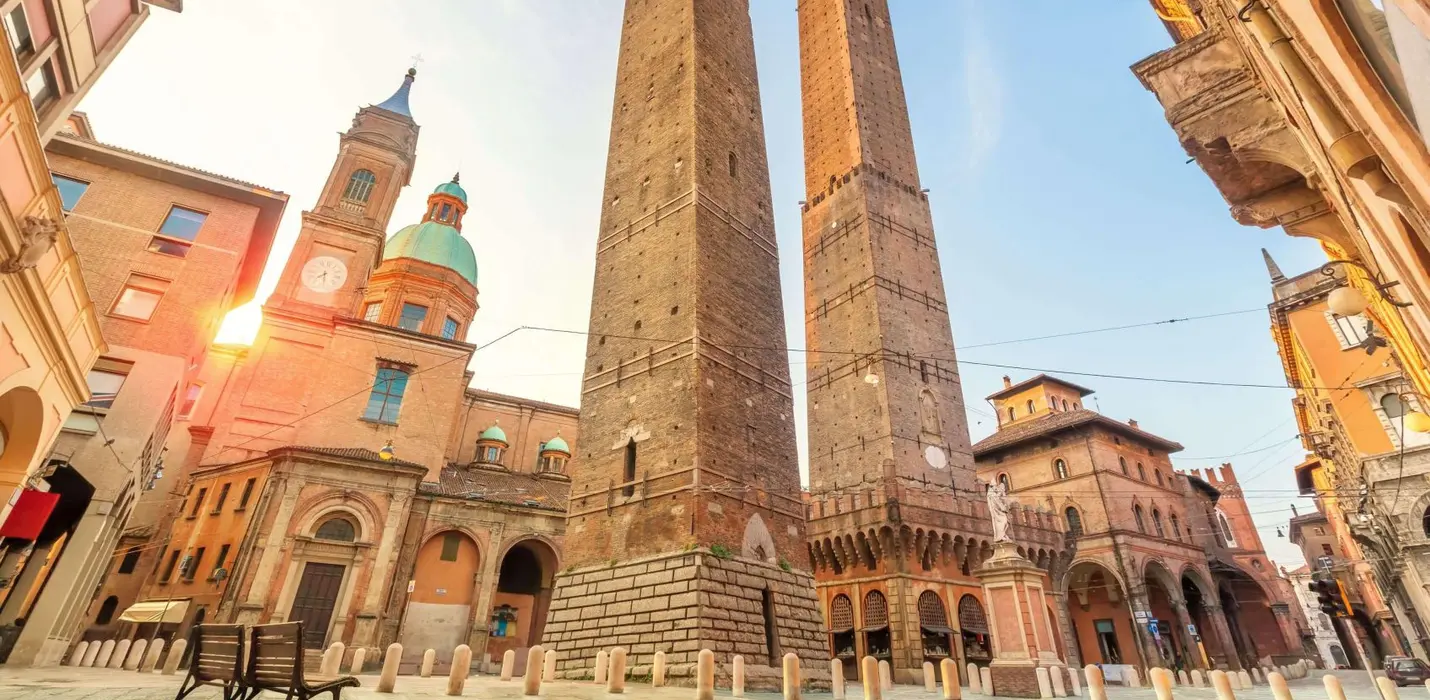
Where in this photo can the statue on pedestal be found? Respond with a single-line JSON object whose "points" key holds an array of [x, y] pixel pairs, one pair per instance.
{"points": [[998, 504]]}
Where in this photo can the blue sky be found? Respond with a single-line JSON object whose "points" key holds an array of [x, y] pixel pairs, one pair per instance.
{"points": [[1062, 201]]}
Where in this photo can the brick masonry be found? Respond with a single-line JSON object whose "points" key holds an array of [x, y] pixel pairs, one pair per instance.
{"points": [[684, 602], [1016, 681]]}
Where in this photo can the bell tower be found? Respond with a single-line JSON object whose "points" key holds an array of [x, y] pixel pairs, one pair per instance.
{"points": [[342, 235]]}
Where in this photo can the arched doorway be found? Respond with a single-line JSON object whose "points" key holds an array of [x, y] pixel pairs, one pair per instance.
{"points": [[522, 598], [1205, 638], [876, 625], [22, 418], [439, 609], [973, 627], [1097, 609], [841, 633], [1255, 631], [1165, 630], [933, 626]]}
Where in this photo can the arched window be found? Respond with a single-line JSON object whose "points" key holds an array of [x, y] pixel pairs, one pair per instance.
{"points": [[106, 610], [876, 610], [1074, 521], [1157, 522], [1137, 514], [1226, 529], [1176, 526], [336, 529], [1141, 473], [359, 187], [1158, 474], [1030, 407], [1424, 523], [1065, 404], [1011, 413], [841, 614], [1007, 483], [1060, 468], [1121, 462]]}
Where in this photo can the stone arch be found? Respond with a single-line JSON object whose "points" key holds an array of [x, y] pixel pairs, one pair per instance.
{"points": [[1155, 568], [757, 543], [526, 567], [22, 418], [445, 578], [353, 504]]}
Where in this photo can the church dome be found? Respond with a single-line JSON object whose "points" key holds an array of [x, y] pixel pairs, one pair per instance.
{"points": [[556, 444], [493, 433], [438, 239]]}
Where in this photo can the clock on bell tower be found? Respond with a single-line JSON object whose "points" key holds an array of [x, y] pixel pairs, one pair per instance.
{"points": [[342, 235]]}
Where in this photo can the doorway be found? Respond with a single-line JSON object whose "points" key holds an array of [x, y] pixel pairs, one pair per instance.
{"points": [[313, 603]]}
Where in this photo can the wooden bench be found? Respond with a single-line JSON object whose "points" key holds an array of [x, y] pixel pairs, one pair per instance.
{"points": [[216, 658], [275, 662]]}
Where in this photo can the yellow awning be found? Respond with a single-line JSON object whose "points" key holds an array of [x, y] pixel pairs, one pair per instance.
{"points": [[156, 611]]}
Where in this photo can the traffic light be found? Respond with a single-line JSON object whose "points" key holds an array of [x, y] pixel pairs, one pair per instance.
{"points": [[1330, 595]]}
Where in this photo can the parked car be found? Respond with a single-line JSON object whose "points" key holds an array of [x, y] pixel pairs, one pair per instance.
{"points": [[1405, 670]]}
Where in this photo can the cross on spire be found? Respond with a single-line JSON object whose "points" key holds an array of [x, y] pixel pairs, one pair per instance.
{"points": [[416, 59]]}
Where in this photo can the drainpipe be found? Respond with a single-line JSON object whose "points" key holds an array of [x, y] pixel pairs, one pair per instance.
{"points": [[1349, 151]]}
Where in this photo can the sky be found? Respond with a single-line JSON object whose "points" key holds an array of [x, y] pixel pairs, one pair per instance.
{"points": [[1062, 201]]}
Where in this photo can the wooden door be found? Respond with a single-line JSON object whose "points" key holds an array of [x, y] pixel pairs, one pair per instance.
{"points": [[313, 604]]}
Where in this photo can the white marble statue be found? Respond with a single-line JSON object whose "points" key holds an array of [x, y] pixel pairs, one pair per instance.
{"points": [[998, 503]]}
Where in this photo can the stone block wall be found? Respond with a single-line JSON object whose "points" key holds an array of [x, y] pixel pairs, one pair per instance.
{"points": [[1016, 681], [681, 603]]}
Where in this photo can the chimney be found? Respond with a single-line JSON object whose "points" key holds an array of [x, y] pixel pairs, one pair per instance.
{"points": [[1007, 383], [1132, 422]]}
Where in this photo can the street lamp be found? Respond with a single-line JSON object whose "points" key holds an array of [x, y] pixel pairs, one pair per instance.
{"points": [[1347, 300]]}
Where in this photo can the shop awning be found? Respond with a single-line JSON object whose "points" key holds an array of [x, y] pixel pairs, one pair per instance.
{"points": [[156, 611], [936, 629], [28, 515]]}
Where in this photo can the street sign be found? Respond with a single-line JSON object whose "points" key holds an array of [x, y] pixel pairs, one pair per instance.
{"points": [[1192, 629], [1141, 615]]}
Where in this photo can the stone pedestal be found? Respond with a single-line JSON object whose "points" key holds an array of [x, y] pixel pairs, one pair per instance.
{"points": [[1018, 620]]}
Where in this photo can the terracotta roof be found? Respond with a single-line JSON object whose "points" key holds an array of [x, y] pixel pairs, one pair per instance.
{"points": [[500, 486], [1057, 422], [352, 453], [1015, 388], [258, 189]]}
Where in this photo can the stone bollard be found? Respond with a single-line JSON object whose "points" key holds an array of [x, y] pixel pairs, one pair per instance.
{"points": [[106, 650], [136, 654], [1074, 681], [1333, 687], [1222, 684], [704, 674], [1233, 680], [332, 659], [1161, 680], [1045, 683], [869, 674], [836, 678], [387, 682], [657, 670], [429, 659], [91, 654], [1198, 680], [616, 678], [930, 682], [461, 666], [737, 676], [151, 659], [531, 685], [359, 658], [1096, 688], [949, 669], [1278, 686], [1131, 679], [1182, 678], [1427, 683], [78, 654], [886, 675], [603, 664], [1055, 676], [985, 676], [792, 680], [176, 655], [548, 668], [508, 664], [973, 685], [1245, 679], [1388, 689]]}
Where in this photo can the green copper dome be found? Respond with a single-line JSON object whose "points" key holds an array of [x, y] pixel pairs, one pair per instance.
{"points": [[453, 189], [493, 433], [436, 243], [556, 444]]}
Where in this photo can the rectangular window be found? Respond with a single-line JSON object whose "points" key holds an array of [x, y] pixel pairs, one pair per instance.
{"points": [[70, 190], [372, 311], [178, 231], [247, 493], [42, 87], [193, 568], [104, 386], [130, 560], [1326, 550], [1107, 641], [191, 400], [449, 328], [385, 402], [1351, 329], [451, 542], [222, 497], [139, 297], [218, 563], [17, 30], [198, 503], [412, 317], [169, 567]]}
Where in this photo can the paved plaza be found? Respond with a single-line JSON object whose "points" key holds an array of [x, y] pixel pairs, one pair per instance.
{"points": [[64, 683]]}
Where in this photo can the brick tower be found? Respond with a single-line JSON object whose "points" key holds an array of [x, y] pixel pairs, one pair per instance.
{"points": [[898, 523], [685, 517]]}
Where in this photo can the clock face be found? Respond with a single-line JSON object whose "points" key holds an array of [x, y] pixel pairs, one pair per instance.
{"points": [[324, 274]]}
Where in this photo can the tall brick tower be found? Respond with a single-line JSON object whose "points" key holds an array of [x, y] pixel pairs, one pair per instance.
{"points": [[685, 518], [898, 528]]}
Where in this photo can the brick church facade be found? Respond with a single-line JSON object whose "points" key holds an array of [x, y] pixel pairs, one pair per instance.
{"points": [[340, 471]]}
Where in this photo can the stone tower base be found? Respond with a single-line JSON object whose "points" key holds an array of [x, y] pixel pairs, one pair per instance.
{"points": [[681, 603]]}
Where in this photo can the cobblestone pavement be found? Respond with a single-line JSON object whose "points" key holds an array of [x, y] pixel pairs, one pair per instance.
{"points": [[65, 683]]}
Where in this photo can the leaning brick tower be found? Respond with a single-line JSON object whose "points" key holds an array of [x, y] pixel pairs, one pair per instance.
{"points": [[686, 526]]}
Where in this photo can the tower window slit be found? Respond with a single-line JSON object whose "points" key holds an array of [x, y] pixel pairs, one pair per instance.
{"points": [[630, 472]]}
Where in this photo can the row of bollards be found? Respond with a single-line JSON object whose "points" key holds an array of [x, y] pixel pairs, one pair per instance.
{"points": [[128, 655]]}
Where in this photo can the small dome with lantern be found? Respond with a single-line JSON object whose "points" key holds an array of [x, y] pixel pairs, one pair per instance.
{"points": [[491, 446], [554, 455], [438, 238]]}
